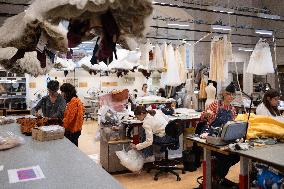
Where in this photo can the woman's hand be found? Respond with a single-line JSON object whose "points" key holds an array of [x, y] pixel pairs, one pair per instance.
{"points": [[204, 135], [133, 146]]}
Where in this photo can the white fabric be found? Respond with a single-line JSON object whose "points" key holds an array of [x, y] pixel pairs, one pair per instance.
{"points": [[153, 125], [172, 78], [144, 59], [158, 62], [260, 62], [211, 94], [181, 66], [262, 110]]}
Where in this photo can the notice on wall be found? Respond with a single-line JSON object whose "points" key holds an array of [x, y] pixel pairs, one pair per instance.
{"points": [[109, 84], [32, 85], [25, 174], [83, 84]]}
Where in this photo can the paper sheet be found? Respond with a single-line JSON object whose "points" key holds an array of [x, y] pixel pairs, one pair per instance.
{"points": [[25, 174]]}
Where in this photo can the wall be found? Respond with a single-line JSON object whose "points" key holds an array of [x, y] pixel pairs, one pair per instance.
{"points": [[93, 82]]}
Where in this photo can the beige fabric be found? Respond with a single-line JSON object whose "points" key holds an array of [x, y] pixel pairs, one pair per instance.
{"points": [[217, 60], [181, 65], [202, 92]]}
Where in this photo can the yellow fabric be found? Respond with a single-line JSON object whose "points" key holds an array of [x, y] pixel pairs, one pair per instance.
{"points": [[263, 126]]}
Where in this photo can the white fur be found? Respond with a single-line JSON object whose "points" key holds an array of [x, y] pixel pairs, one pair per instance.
{"points": [[7, 53], [31, 64]]}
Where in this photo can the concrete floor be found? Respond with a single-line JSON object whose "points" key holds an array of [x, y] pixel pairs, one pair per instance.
{"points": [[144, 180]]}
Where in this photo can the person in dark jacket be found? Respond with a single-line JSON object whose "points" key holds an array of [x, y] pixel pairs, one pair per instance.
{"points": [[53, 105]]}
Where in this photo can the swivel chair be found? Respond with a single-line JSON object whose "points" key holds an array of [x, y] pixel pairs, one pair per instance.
{"points": [[174, 129]]}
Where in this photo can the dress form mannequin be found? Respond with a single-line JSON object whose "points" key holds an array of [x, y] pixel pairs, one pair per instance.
{"points": [[191, 99], [211, 94]]}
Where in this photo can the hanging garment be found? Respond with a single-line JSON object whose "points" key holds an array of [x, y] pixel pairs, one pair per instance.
{"points": [[211, 94], [186, 55], [158, 62], [165, 54], [144, 59], [221, 54], [228, 57], [202, 92], [172, 77], [181, 66], [260, 62]]}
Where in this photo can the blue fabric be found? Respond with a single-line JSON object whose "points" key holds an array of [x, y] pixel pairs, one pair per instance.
{"points": [[223, 116], [267, 179]]}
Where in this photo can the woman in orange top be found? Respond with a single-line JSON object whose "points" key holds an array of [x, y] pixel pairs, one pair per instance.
{"points": [[74, 113]]}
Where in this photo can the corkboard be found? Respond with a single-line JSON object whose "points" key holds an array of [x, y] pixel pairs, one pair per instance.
{"points": [[83, 84], [109, 84], [32, 85]]}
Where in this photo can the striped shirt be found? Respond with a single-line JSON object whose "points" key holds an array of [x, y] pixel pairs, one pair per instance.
{"points": [[210, 113]]}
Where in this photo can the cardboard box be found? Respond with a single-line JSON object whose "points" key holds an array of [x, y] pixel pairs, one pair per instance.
{"points": [[46, 133]]}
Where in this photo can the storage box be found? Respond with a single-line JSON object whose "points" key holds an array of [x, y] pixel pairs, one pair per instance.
{"points": [[46, 133]]}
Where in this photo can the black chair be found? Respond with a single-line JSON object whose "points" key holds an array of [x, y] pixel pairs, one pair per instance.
{"points": [[174, 129]]}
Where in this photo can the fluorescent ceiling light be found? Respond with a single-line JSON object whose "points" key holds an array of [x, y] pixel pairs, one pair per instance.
{"points": [[176, 24], [264, 32], [219, 27], [245, 49], [221, 9], [274, 17]]}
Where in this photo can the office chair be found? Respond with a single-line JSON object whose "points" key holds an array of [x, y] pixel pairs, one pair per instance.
{"points": [[173, 129]]}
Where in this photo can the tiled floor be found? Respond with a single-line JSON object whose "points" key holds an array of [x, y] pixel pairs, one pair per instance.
{"points": [[145, 180]]}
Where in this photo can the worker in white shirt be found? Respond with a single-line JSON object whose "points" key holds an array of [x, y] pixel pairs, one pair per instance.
{"points": [[154, 124], [144, 91], [269, 104]]}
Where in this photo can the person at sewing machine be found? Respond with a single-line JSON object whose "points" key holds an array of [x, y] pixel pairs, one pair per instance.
{"points": [[216, 115], [269, 104], [53, 105]]}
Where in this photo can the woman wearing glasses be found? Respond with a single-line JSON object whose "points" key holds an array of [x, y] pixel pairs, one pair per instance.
{"points": [[215, 115]]}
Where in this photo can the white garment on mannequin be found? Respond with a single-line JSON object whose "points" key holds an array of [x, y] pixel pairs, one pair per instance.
{"points": [[260, 62], [211, 94]]}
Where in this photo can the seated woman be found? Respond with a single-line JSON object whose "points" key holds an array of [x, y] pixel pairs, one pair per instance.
{"points": [[269, 104], [52, 105], [154, 124], [74, 113], [217, 114]]}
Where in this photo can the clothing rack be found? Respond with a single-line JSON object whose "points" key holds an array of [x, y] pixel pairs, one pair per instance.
{"points": [[195, 40], [207, 31]]}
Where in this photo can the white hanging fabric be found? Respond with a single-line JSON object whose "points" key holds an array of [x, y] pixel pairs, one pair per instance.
{"points": [[185, 51], [165, 54], [144, 59], [260, 62], [221, 54], [181, 66], [172, 78], [158, 61]]}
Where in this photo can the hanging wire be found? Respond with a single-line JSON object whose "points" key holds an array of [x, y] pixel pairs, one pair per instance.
{"points": [[202, 38]]}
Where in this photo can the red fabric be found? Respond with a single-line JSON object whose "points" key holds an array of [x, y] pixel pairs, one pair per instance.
{"points": [[106, 100]]}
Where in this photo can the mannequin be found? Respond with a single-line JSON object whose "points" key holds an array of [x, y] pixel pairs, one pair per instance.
{"points": [[211, 94]]}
